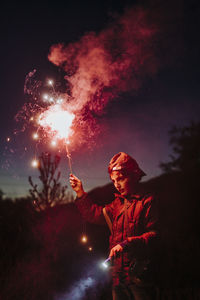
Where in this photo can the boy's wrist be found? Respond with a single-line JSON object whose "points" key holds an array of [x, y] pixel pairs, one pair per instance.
{"points": [[80, 193]]}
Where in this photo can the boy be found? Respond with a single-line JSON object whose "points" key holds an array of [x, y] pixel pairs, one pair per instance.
{"points": [[132, 225]]}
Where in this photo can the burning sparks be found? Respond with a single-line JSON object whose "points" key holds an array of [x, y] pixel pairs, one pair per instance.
{"points": [[50, 82], [84, 239], [49, 113], [57, 120], [45, 97], [53, 143], [54, 119], [35, 136], [35, 163]]}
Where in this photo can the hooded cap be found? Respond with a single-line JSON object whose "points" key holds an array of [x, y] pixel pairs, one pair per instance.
{"points": [[123, 161]]}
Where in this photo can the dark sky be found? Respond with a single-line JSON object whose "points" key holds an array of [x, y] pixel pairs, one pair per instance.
{"points": [[135, 122]]}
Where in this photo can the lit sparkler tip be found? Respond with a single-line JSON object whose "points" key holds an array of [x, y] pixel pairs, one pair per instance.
{"points": [[59, 101], [57, 120], [53, 143], [35, 136], [90, 249], [84, 239], [50, 82], [45, 97], [8, 139], [35, 163]]}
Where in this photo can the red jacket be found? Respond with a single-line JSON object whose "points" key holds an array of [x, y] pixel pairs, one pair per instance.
{"points": [[137, 238]]}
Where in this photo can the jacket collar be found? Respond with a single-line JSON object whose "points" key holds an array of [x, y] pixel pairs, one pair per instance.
{"points": [[130, 198]]}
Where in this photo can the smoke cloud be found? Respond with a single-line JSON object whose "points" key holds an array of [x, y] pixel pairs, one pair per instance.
{"points": [[100, 66]]}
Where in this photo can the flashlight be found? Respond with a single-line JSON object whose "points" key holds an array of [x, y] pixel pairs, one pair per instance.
{"points": [[106, 263]]}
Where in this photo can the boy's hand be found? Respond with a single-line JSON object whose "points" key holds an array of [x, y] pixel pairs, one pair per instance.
{"points": [[76, 185], [115, 250]]}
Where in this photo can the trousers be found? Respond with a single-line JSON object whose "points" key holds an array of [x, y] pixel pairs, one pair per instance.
{"points": [[133, 292]]}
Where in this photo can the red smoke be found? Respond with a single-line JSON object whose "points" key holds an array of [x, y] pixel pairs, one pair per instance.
{"points": [[116, 59]]}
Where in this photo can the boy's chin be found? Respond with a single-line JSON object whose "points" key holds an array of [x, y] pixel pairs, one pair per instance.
{"points": [[124, 193]]}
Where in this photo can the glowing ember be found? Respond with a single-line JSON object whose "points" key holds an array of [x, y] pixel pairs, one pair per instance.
{"points": [[53, 143], [45, 97], [50, 82], [35, 136], [84, 239], [34, 163], [59, 101], [57, 120], [90, 248]]}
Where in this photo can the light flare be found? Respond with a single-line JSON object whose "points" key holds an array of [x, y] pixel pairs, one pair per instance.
{"points": [[84, 239], [57, 120], [35, 163], [45, 97], [53, 143], [35, 136], [50, 82]]}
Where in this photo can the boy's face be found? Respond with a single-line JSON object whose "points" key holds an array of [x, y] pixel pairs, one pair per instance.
{"points": [[122, 183]]}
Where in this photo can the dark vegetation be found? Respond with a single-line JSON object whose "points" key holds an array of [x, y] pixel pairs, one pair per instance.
{"points": [[41, 255]]}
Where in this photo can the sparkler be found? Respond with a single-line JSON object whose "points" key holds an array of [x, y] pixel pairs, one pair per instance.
{"points": [[58, 121], [55, 120]]}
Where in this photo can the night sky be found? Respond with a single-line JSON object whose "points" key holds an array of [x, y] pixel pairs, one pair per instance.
{"points": [[137, 120]]}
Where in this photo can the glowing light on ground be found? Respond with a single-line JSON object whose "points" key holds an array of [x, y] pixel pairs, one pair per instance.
{"points": [[84, 239]]}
